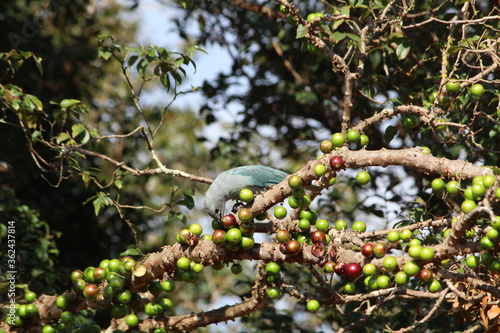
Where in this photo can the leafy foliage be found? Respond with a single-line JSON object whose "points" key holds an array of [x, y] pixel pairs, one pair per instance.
{"points": [[304, 71]]}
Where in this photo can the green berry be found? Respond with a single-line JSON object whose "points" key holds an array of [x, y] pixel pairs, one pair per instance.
{"points": [[312, 305], [353, 136], [183, 263], [363, 177]]}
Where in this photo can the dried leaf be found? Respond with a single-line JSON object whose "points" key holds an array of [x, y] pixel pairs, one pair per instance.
{"points": [[493, 312]]}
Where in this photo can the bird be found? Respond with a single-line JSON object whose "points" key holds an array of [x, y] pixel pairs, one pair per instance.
{"points": [[228, 184]]}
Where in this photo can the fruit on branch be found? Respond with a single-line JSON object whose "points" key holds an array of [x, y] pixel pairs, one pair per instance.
{"points": [[229, 221], [340, 225], [338, 140], [369, 269], [393, 236], [295, 182], [233, 236], [472, 261], [364, 140], [489, 181], [318, 237], [132, 320], [340, 268], [272, 268], [414, 251], [245, 215], [329, 267], [350, 287], [486, 243], [477, 90], [247, 242], [299, 192], [452, 86], [236, 268], [219, 237], [437, 184], [352, 272], [425, 275], [118, 311], [292, 247], [379, 250], [167, 285], [367, 250], [322, 225], [313, 16], [183, 263], [245, 195], [427, 253], [319, 170], [352, 136], [294, 202], [280, 212], [467, 206], [247, 228], [326, 146], [309, 215], [434, 286], [411, 121], [383, 281], [303, 224], [124, 297], [283, 236], [401, 278], [405, 234], [283, 10], [411, 268], [478, 190], [312, 305], [452, 187], [273, 292], [363, 177], [390, 263], [62, 301], [359, 226]]}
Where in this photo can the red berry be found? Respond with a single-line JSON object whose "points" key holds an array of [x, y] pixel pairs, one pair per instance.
{"points": [[337, 163], [318, 237], [367, 250], [229, 221], [292, 247], [340, 268], [353, 272]]}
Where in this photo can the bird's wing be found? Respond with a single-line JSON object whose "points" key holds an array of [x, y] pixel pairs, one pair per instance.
{"points": [[261, 176]]}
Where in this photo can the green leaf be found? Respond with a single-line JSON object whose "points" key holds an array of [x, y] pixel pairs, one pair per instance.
{"points": [[77, 129], [402, 51], [62, 137], [141, 67], [188, 202], [66, 103], [301, 31], [105, 53], [119, 184], [102, 200], [130, 252], [86, 179], [390, 133], [38, 62], [306, 97], [338, 36]]}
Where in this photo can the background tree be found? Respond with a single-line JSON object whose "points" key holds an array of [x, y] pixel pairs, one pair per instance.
{"points": [[410, 94]]}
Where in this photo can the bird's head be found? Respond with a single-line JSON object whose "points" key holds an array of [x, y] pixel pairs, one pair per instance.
{"points": [[214, 206]]}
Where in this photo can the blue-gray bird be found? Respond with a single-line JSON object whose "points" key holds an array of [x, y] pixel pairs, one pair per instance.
{"points": [[228, 184]]}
